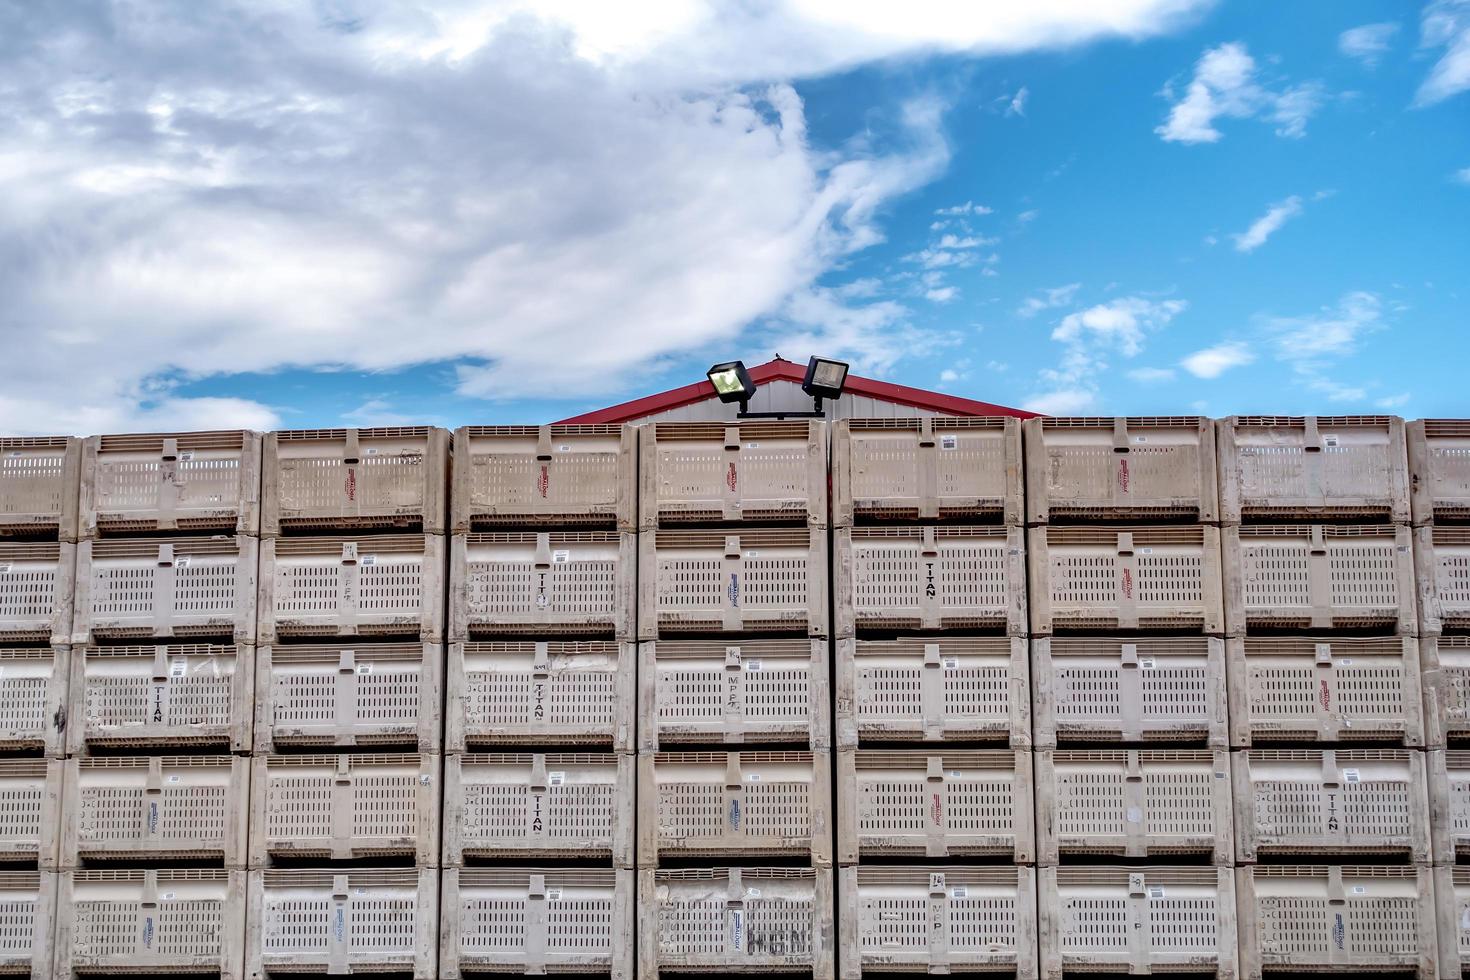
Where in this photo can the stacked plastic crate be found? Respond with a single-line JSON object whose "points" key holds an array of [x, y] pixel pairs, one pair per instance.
{"points": [[735, 762], [1132, 766], [935, 807], [38, 534], [539, 771], [346, 772], [1332, 831], [156, 782]]}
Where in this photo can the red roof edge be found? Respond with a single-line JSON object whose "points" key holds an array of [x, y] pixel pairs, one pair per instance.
{"points": [[784, 370]]}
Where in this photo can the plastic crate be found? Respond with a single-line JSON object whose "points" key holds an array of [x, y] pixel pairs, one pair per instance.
{"points": [[934, 689], [355, 478], [926, 469], [1318, 576], [1360, 919], [1126, 578], [1134, 468], [718, 804], [1138, 920], [1452, 897], [1343, 802], [344, 807], [347, 695], [33, 698], [352, 585], [930, 577], [543, 582], [1449, 804], [548, 474], [151, 922], [1446, 664], [1312, 466], [733, 692], [541, 692], [27, 923], [766, 580], [39, 485], [924, 804], [563, 805], [1325, 689], [343, 922], [168, 695], [30, 811], [537, 921], [1129, 689], [768, 471], [134, 588], [1439, 470], [171, 481], [136, 808], [736, 920], [1442, 564], [36, 591]]}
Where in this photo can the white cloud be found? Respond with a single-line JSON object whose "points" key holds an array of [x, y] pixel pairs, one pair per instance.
{"points": [[1065, 401], [1445, 24], [1368, 42], [1215, 361], [997, 366], [1017, 105], [948, 376], [969, 207], [1149, 375], [1121, 323], [1393, 401], [1026, 217], [1331, 332], [1463, 176], [1335, 392], [873, 337], [1225, 86], [1048, 299], [943, 294], [1268, 224]]}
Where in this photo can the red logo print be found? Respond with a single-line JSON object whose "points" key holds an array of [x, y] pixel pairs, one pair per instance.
{"points": [[1127, 583], [1123, 474], [350, 485], [730, 478], [937, 811], [543, 482], [1325, 696]]}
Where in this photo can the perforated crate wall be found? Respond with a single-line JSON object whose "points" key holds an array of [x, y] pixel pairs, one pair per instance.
{"points": [[1126, 578], [934, 688], [1439, 468], [1311, 466], [344, 807], [349, 695], [141, 483], [36, 591], [344, 922], [926, 468], [1137, 920], [30, 810], [930, 577], [27, 921], [549, 474], [772, 471], [534, 805], [33, 693], [733, 691], [1360, 919], [1131, 468], [163, 695], [137, 808], [137, 588], [735, 920], [1331, 802], [352, 585], [731, 581], [38, 485], [734, 803], [392, 477], [1133, 803], [535, 921], [1318, 576], [1449, 804], [152, 922], [1452, 898], [958, 804], [1442, 566], [1446, 664], [937, 920], [1130, 689], [1325, 688], [543, 582]]}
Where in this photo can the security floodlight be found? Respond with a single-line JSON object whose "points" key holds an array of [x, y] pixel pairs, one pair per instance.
{"points": [[825, 378], [732, 382]]}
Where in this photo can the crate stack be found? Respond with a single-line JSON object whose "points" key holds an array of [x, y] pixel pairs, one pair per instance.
{"points": [[1328, 767], [346, 773], [539, 772], [1128, 665], [156, 780], [935, 807], [735, 762]]}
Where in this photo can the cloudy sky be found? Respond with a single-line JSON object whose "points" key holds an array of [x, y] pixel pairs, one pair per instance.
{"points": [[285, 213]]}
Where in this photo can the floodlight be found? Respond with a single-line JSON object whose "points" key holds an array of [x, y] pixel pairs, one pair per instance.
{"points": [[825, 378], [732, 382]]}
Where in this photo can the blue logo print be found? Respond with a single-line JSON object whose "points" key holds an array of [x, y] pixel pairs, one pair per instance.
{"points": [[734, 814], [1339, 931], [734, 590]]}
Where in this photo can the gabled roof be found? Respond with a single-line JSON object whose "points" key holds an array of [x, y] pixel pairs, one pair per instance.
{"points": [[784, 370]]}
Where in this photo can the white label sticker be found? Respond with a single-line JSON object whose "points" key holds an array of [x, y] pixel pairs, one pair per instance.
{"points": [[752, 665], [178, 668], [5, 567], [1135, 815], [167, 896], [367, 560], [752, 893], [959, 891], [181, 561], [1465, 918], [175, 779], [425, 779], [1219, 774], [1145, 551], [950, 663], [752, 554], [553, 894], [1147, 663], [936, 882], [364, 670], [1140, 438], [1330, 442], [359, 891], [1155, 891], [371, 451], [187, 456], [752, 445], [555, 778], [753, 778], [1344, 662], [561, 557], [1351, 776], [949, 442], [563, 448], [1359, 890]]}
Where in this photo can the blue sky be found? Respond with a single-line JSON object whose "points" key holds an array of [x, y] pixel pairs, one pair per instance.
{"points": [[303, 214]]}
